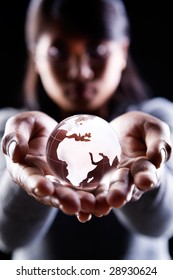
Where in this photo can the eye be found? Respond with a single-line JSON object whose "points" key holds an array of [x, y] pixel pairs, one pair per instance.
{"points": [[56, 53], [53, 52], [102, 50], [99, 51]]}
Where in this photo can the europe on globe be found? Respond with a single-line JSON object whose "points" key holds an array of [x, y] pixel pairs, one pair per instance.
{"points": [[81, 150]]}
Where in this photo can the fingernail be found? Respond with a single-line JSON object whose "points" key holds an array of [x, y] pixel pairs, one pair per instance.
{"points": [[55, 202], [129, 196], [52, 179], [98, 215], [61, 207], [152, 186], [11, 148], [37, 192], [163, 155], [89, 217]]}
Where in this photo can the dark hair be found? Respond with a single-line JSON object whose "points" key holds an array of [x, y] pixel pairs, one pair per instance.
{"points": [[99, 19]]}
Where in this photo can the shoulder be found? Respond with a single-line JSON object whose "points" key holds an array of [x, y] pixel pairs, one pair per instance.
{"points": [[159, 107]]}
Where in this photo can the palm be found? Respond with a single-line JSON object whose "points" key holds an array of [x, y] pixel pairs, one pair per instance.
{"points": [[142, 135], [142, 139]]}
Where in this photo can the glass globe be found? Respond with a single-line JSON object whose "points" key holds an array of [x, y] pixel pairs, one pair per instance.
{"points": [[82, 150]]}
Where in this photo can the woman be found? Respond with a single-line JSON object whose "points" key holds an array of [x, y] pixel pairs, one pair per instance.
{"points": [[79, 62]]}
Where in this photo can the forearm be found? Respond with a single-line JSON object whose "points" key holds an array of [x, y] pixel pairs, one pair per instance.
{"points": [[152, 214], [22, 218]]}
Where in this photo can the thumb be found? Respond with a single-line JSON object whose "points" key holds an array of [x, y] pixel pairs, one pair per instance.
{"points": [[16, 136], [158, 151], [15, 146], [158, 143]]}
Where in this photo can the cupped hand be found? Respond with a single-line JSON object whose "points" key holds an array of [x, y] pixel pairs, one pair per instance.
{"points": [[145, 143], [146, 146], [24, 144]]}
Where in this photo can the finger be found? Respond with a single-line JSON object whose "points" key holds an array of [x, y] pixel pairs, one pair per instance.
{"points": [[145, 181], [50, 201], [136, 194], [158, 142], [15, 146], [19, 130], [144, 174], [87, 201], [102, 207], [16, 137], [32, 180], [121, 189], [68, 198], [83, 217]]}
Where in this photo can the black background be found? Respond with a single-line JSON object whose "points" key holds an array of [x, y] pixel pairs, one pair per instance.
{"points": [[151, 47]]}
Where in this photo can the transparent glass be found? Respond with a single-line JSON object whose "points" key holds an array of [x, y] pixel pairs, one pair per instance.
{"points": [[81, 150]]}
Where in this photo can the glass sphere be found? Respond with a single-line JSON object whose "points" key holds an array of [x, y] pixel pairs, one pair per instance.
{"points": [[81, 150]]}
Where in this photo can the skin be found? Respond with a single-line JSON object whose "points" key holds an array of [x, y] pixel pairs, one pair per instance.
{"points": [[145, 140], [24, 145], [77, 82]]}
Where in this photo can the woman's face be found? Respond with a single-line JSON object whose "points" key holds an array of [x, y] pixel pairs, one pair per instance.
{"points": [[79, 75]]}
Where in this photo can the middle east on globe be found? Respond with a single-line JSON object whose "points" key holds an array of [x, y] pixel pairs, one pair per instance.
{"points": [[82, 150]]}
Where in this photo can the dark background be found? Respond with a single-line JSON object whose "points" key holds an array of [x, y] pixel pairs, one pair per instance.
{"points": [[151, 47]]}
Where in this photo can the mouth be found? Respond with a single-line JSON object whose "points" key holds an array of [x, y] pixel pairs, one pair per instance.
{"points": [[80, 93]]}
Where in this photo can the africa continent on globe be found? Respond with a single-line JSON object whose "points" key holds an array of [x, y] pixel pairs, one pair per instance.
{"points": [[81, 150]]}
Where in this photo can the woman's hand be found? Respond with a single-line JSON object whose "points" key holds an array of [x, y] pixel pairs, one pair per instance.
{"points": [[24, 144], [145, 143], [146, 146]]}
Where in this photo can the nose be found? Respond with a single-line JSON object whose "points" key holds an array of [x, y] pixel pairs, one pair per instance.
{"points": [[80, 69]]}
